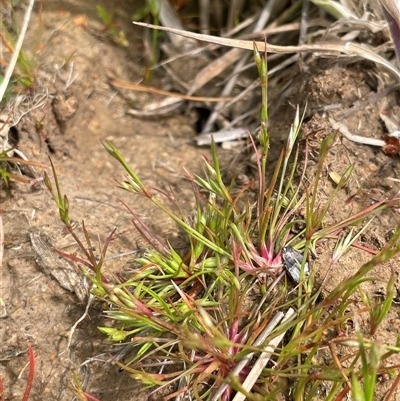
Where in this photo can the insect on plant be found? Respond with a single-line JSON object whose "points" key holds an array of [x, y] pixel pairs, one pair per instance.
{"points": [[292, 261]]}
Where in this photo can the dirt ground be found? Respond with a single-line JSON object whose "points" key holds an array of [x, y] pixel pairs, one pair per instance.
{"points": [[80, 110]]}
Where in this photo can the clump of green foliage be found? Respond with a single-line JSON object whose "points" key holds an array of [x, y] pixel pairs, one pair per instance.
{"points": [[195, 318]]}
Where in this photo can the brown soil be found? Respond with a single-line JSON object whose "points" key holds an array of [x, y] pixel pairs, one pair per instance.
{"points": [[77, 116]]}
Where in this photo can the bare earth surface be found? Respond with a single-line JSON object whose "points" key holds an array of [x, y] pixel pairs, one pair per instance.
{"points": [[81, 109]]}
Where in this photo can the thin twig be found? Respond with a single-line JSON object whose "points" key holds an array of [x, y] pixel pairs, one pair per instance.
{"points": [[260, 340], [70, 80], [348, 48], [141, 88], [304, 19], [204, 16], [264, 18], [356, 138], [73, 328], [18, 47], [262, 360], [2, 304]]}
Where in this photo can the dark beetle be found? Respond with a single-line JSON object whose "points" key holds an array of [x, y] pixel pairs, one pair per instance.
{"points": [[292, 261]]}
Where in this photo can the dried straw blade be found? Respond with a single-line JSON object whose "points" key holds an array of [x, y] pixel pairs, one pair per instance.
{"points": [[347, 48]]}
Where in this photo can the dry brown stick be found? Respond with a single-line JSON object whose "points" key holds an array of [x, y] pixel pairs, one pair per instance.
{"points": [[262, 360], [356, 138], [276, 319], [130, 85], [347, 48]]}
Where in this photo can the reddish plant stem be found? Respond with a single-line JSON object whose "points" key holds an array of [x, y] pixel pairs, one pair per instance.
{"points": [[31, 373]]}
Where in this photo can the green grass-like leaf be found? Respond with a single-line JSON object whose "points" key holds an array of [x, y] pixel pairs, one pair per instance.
{"points": [[202, 310]]}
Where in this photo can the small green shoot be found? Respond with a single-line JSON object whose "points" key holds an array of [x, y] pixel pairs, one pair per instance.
{"points": [[8, 166], [78, 391], [111, 26], [150, 9], [369, 371]]}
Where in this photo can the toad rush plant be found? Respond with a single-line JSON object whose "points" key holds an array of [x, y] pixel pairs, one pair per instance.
{"points": [[197, 320]]}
